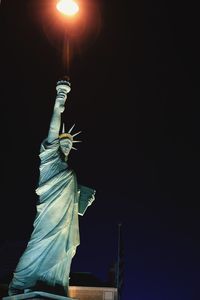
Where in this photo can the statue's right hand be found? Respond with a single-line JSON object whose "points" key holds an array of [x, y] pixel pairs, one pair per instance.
{"points": [[60, 101], [59, 105], [60, 109]]}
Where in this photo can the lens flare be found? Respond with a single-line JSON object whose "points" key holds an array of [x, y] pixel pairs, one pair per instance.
{"points": [[67, 7]]}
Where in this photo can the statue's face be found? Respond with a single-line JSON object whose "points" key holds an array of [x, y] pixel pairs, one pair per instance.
{"points": [[65, 145]]}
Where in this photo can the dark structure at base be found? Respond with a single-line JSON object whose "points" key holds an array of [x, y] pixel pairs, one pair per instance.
{"points": [[37, 295]]}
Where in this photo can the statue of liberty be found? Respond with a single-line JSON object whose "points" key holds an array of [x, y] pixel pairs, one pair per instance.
{"points": [[55, 237]]}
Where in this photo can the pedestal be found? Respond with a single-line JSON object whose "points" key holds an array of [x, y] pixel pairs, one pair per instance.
{"points": [[37, 295]]}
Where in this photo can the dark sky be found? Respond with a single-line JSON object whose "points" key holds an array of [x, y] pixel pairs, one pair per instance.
{"points": [[135, 96]]}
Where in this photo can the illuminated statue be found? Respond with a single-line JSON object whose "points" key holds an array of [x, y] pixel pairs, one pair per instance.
{"points": [[47, 258]]}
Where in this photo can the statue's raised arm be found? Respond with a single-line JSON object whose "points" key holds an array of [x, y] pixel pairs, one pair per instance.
{"points": [[63, 87]]}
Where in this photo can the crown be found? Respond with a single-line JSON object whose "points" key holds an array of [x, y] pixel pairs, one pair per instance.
{"points": [[68, 135]]}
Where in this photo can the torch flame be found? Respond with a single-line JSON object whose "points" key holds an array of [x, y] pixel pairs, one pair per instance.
{"points": [[67, 7]]}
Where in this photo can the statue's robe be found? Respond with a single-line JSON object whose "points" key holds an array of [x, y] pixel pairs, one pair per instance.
{"points": [[55, 236]]}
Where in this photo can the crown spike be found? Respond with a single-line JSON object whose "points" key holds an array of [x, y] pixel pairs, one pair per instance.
{"points": [[73, 135], [63, 128], [74, 148], [77, 141], [71, 129]]}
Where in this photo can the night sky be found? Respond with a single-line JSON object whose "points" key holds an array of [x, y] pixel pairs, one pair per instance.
{"points": [[135, 96]]}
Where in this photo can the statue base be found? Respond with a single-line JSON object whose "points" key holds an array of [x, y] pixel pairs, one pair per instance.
{"points": [[37, 295]]}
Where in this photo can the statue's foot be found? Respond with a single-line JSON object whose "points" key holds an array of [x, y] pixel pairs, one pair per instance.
{"points": [[14, 291], [28, 291]]}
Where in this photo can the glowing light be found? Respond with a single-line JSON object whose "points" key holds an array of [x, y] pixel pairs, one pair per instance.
{"points": [[67, 7]]}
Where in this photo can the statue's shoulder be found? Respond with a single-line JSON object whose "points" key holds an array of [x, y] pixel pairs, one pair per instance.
{"points": [[48, 149], [45, 144]]}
